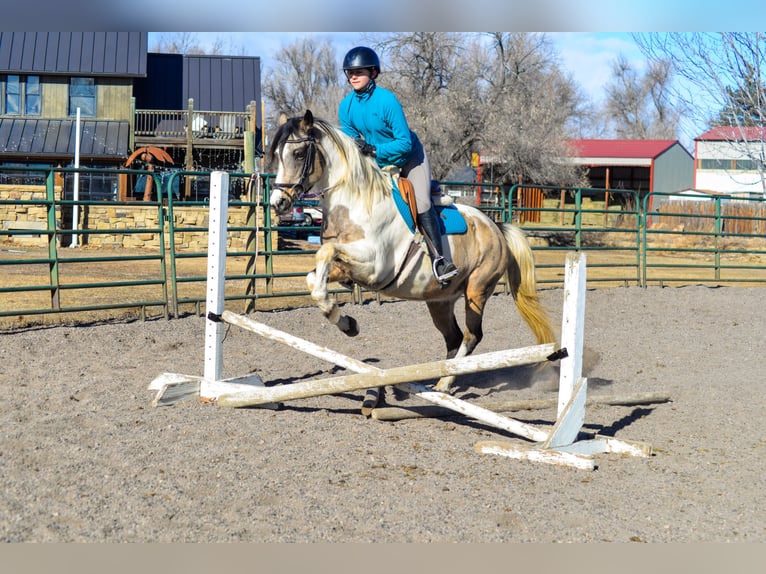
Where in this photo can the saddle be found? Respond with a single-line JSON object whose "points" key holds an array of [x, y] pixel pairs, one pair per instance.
{"points": [[450, 219]]}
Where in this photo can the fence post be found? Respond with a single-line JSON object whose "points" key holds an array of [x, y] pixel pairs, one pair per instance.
{"points": [[53, 266], [578, 218], [253, 197], [189, 166]]}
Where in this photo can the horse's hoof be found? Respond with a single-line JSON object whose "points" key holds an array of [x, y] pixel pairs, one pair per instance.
{"points": [[400, 395], [349, 326], [371, 400]]}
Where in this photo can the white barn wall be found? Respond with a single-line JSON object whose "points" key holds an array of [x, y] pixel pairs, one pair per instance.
{"points": [[723, 180]]}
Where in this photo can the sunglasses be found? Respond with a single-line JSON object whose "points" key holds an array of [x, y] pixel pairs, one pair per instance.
{"points": [[358, 72]]}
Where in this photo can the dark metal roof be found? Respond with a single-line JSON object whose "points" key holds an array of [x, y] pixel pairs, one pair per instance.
{"points": [[215, 83], [55, 139], [74, 53], [222, 83]]}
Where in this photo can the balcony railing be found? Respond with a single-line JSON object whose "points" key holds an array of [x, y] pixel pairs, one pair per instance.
{"points": [[174, 124]]}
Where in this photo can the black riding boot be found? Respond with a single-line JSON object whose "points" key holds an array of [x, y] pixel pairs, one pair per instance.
{"points": [[443, 269]]}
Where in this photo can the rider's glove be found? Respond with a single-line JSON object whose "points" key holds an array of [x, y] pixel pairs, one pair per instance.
{"points": [[364, 147]]}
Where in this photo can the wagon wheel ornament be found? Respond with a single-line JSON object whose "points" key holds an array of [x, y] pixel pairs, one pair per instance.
{"points": [[149, 155]]}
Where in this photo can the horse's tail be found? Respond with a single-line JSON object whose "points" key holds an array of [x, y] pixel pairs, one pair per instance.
{"points": [[521, 278]]}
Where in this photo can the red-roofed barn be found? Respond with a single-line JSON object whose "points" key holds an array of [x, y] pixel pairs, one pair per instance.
{"points": [[640, 165]]}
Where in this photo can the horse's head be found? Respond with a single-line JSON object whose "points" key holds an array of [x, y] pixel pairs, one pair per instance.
{"points": [[300, 164]]}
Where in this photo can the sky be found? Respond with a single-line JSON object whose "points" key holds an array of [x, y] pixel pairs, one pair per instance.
{"points": [[586, 55], [408, 15], [588, 34]]}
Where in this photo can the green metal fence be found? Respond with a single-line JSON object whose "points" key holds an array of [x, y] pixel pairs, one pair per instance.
{"points": [[604, 223], [57, 265], [707, 239], [653, 239], [255, 268]]}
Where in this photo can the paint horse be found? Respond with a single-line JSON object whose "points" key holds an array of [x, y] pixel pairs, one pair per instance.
{"points": [[365, 239]]}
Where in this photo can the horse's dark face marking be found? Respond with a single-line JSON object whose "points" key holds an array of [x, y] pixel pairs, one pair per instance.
{"points": [[299, 162]]}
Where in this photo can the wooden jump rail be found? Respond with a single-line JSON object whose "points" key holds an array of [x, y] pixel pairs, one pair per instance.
{"points": [[369, 376], [558, 445]]}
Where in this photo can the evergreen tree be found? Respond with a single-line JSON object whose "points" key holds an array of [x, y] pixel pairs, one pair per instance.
{"points": [[744, 103]]}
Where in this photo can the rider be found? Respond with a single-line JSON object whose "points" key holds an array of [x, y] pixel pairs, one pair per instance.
{"points": [[375, 119]]}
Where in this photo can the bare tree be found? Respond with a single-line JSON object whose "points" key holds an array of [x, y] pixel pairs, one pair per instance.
{"points": [[745, 102], [423, 69], [531, 102], [499, 94], [722, 83], [306, 75], [638, 107], [188, 43], [502, 95]]}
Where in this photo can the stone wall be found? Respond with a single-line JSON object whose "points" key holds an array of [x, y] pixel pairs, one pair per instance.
{"points": [[25, 219], [121, 225]]}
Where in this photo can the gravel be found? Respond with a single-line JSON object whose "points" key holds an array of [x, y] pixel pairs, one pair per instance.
{"points": [[84, 457]]}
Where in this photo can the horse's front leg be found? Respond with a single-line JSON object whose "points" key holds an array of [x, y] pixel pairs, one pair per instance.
{"points": [[353, 257]]}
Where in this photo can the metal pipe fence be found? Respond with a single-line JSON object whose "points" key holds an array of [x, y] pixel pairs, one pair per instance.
{"points": [[149, 257], [49, 277], [706, 239]]}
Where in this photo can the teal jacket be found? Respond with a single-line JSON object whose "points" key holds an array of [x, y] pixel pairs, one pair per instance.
{"points": [[377, 116]]}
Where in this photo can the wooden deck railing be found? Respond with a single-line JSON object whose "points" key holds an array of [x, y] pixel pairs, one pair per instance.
{"points": [[175, 123]]}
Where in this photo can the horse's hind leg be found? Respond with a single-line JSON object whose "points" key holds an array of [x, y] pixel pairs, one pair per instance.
{"points": [[443, 317], [474, 311]]}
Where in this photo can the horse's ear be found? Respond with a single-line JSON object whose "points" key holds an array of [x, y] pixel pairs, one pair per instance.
{"points": [[282, 119], [308, 121]]}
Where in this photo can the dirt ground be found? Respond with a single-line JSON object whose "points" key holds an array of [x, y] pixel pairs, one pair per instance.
{"points": [[84, 457]]}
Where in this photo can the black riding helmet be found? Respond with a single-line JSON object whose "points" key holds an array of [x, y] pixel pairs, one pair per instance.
{"points": [[361, 57]]}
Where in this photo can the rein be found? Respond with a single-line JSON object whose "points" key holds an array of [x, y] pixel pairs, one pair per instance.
{"points": [[298, 190]]}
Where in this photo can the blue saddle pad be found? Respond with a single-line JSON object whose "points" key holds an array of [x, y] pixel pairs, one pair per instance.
{"points": [[451, 221]]}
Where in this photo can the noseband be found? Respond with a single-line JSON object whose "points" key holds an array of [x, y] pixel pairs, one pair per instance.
{"points": [[297, 190]]}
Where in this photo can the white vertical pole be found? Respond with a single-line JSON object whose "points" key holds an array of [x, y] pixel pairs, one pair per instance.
{"points": [[216, 273], [572, 326], [76, 191]]}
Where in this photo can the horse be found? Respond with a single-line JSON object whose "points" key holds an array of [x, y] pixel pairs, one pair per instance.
{"points": [[364, 239]]}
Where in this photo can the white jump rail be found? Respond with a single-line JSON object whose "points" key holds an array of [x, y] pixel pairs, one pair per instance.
{"points": [[558, 445]]}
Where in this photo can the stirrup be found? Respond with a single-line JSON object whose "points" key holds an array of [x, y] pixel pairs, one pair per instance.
{"points": [[447, 275]]}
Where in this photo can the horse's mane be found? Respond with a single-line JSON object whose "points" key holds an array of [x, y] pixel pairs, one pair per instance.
{"points": [[350, 172]]}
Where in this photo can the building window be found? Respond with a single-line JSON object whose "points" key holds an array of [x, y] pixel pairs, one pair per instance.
{"points": [[729, 164], [746, 165], [715, 164], [92, 186], [32, 101], [21, 95], [82, 94], [21, 175], [12, 95]]}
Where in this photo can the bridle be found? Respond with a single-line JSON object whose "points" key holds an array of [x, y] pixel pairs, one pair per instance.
{"points": [[299, 189]]}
